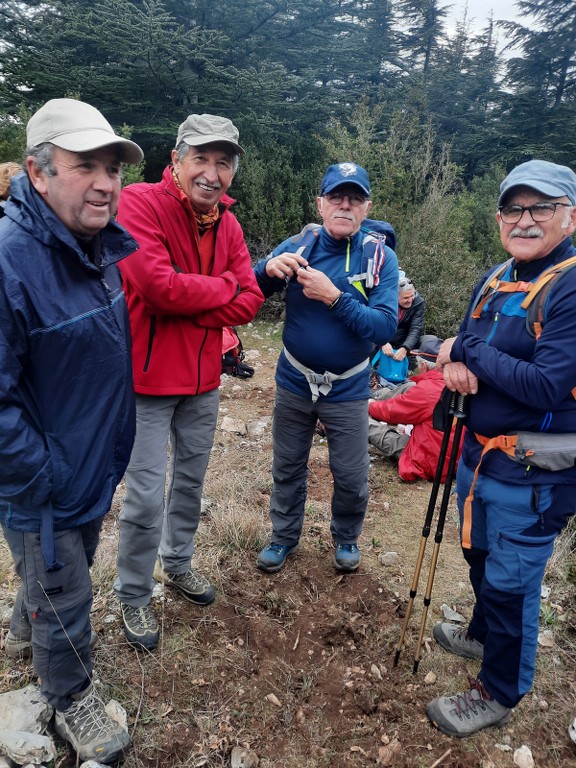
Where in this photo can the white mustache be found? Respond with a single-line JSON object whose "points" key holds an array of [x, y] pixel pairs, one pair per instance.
{"points": [[343, 215], [532, 231]]}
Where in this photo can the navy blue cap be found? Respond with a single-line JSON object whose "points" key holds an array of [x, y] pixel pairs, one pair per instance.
{"points": [[547, 178], [345, 173]]}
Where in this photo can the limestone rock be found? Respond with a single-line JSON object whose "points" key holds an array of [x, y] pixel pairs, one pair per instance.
{"points": [[25, 747], [24, 710]]}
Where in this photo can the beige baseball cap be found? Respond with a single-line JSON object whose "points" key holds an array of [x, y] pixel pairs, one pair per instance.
{"points": [[197, 130], [77, 127]]}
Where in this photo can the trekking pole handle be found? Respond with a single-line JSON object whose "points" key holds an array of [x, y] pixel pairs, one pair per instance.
{"points": [[458, 405]]}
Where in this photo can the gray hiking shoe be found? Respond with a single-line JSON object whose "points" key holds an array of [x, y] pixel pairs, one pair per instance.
{"points": [[466, 713], [140, 627], [87, 727], [456, 639], [21, 647], [192, 585]]}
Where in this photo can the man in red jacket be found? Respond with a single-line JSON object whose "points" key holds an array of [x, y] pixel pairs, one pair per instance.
{"points": [[191, 277], [418, 450]]}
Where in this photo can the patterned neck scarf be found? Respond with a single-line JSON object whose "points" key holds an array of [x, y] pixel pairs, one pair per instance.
{"points": [[203, 220]]}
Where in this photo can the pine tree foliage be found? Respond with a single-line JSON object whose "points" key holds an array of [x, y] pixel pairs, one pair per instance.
{"points": [[436, 113]]}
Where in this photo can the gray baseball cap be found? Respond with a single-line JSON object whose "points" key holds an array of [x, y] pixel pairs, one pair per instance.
{"points": [[77, 127], [197, 130], [547, 178]]}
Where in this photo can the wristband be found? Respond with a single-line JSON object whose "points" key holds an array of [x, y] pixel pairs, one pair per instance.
{"points": [[336, 300]]}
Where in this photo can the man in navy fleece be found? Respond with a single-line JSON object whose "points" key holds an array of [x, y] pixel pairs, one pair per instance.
{"points": [[513, 505], [341, 293]]}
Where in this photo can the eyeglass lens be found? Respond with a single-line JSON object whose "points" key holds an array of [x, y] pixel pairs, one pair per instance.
{"points": [[511, 214], [337, 197]]}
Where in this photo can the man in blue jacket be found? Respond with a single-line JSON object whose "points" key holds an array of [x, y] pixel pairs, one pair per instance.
{"points": [[516, 480], [341, 291], [66, 404]]}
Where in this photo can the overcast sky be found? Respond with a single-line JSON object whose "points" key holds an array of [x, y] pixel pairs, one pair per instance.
{"points": [[479, 11]]}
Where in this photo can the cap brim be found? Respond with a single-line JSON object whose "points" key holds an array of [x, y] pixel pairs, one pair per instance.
{"points": [[346, 182], [199, 141], [425, 355], [544, 187], [85, 141]]}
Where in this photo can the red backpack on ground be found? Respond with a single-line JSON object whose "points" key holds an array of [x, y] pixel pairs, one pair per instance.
{"points": [[233, 355]]}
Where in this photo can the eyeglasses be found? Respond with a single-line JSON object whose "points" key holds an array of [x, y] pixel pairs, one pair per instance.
{"points": [[337, 198], [511, 214]]}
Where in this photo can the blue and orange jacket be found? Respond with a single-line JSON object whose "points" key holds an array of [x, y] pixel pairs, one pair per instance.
{"points": [[524, 384]]}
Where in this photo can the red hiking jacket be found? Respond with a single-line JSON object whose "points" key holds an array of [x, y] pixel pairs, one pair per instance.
{"points": [[177, 313], [420, 457]]}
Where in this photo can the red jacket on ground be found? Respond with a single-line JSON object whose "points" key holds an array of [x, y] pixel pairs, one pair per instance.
{"points": [[420, 457], [177, 313]]}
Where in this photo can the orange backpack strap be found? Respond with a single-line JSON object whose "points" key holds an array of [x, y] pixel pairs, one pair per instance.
{"points": [[506, 443]]}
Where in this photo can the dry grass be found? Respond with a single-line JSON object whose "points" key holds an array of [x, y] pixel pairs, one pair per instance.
{"points": [[308, 636]]}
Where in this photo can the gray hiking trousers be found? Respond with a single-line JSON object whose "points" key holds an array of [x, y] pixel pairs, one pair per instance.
{"points": [[346, 425], [155, 519], [56, 606], [387, 438]]}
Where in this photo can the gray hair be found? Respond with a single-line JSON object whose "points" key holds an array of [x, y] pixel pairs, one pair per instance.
{"points": [[567, 215], [43, 156], [183, 148], [422, 360]]}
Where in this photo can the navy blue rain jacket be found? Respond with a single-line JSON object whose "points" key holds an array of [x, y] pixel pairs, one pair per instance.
{"points": [[67, 417]]}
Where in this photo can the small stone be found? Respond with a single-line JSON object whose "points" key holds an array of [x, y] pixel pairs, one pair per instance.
{"points": [[389, 558], [273, 699], [233, 425], [242, 757], [375, 672], [430, 678], [523, 757], [543, 704], [546, 639], [389, 754]]}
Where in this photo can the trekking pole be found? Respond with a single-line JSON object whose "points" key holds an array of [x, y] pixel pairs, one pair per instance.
{"points": [[458, 413], [427, 525]]}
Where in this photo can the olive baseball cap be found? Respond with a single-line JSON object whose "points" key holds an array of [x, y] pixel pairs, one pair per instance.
{"points": [[198, 130], [77, 127], [547, 178]]}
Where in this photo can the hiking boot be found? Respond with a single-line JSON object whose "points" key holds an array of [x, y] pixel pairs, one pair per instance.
{"points": [[456, 639], [93, 734], [273, 557], [21, 647], [466, 713], [346, 557], [192, 585], [140, 627]]}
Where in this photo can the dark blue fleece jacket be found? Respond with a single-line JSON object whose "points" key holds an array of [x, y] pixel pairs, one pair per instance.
{"points": [[334, 340]]}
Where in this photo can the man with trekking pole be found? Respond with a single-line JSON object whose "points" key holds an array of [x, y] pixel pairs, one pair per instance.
{"points": [[515, 359]]}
